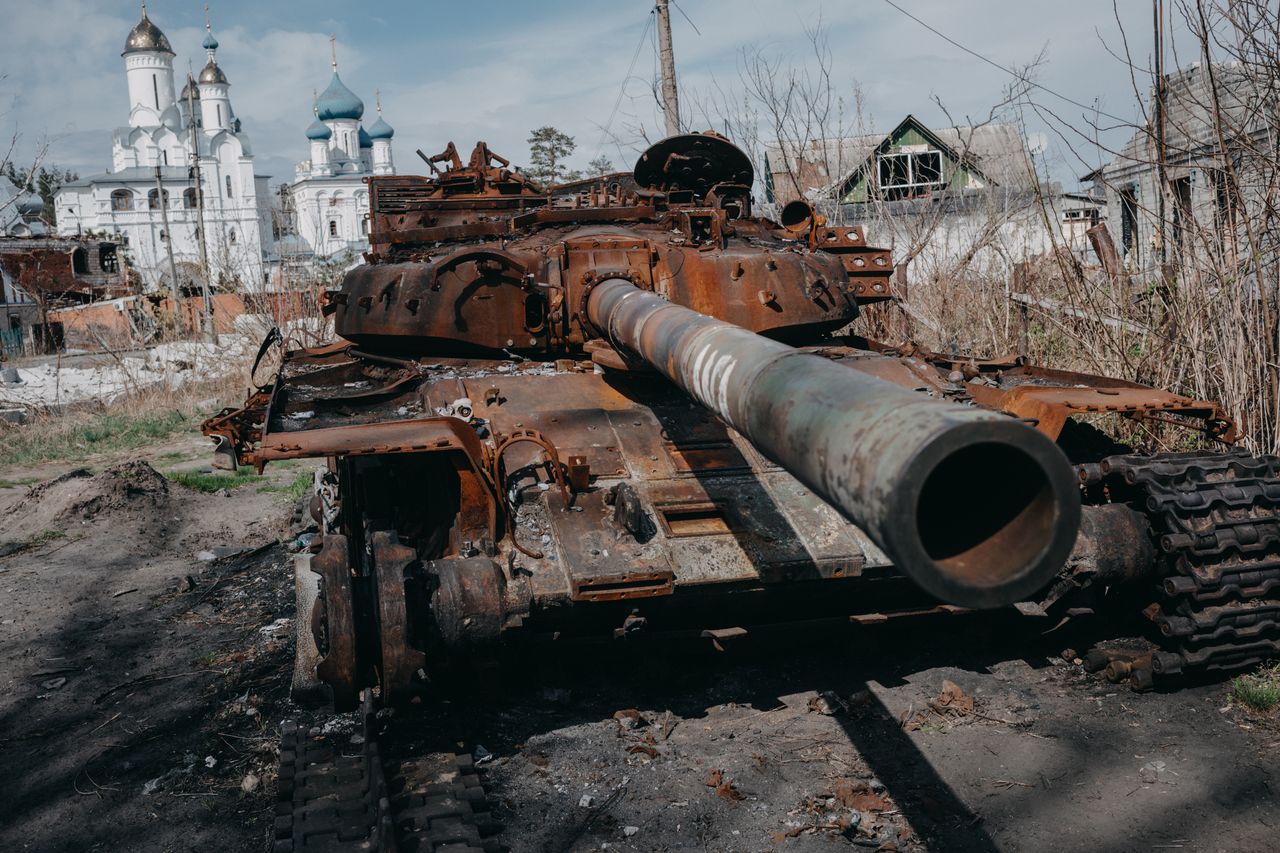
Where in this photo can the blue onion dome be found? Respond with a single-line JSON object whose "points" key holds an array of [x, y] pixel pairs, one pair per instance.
{"points": [[145, 37], [30, 204], [319, 131], [209, 43], [339, 102], [381, 130], [365, 141], [211, 73]]}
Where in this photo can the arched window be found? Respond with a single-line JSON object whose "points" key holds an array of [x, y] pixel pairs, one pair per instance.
{"points": [[333, 228], [364, 225], [189, 198], [153, 199], [80, 262], [231, 236], [228, 186], [121, 200]]}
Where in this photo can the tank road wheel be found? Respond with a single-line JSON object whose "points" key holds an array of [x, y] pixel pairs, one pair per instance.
{"points": [[307, 688], [333, 612], [400, 661]]}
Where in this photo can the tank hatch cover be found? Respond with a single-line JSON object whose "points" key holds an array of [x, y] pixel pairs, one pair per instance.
{"points": [[694, 162]]}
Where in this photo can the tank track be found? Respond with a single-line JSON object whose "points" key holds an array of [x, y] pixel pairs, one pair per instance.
{"points": [[1216, 520], [333, 803]]}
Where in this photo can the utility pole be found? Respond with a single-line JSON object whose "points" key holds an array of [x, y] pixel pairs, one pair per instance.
{"points": [[670, 99], [200, 237], [1157, 9], [168, 243]]}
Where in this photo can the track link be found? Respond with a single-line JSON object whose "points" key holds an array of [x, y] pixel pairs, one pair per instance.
{"points": [[1217, 523], [330, 802]]}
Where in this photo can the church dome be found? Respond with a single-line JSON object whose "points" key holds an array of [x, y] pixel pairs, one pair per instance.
{"points": [[209, 43], [30, 204], [211, 73], [381, 130], [363, 138], [319, 131], [190, 91], [172, 118], [145, 37], [339, 102]]}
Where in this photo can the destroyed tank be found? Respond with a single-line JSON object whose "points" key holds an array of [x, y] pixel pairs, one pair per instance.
{"points": [[630, 405]]}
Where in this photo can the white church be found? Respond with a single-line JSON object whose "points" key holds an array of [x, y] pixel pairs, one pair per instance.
{"points": [[329, 197], [195, 133]]}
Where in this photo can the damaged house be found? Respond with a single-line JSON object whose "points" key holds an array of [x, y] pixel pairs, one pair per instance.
{"points": [[39, 272], [1216, 147], [943, 199]]}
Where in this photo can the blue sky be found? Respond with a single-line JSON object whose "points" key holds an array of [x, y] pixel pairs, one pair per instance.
{"points": [[494, 70]]}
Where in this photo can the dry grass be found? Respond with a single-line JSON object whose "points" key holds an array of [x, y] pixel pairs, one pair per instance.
{"points": [[145, 417]]}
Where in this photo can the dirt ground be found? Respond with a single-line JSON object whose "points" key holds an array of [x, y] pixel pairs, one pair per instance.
{"points": [[144, 687]]}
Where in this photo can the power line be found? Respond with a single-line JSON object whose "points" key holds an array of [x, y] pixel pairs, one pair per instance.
{"points": [[1008, 71], [686, 17], [622, 89]]}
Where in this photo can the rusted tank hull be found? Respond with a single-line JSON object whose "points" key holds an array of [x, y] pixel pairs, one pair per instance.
{"points": [[977, 508]]}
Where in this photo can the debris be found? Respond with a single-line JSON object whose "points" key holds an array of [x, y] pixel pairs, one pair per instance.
{"points": [[1155, 771], [950, 704], [481, 755], [53, 683], [187, 584], [629, 831], [586, 801], [628, 718], [277, 630], [124, 592], [952, 698], [645, 748], [723, 785], [250, 783], [828, 704], [210, 762], [858, 795]]}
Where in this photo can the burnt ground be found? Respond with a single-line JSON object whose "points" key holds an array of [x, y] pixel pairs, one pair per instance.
{"points": [[143, 689]]}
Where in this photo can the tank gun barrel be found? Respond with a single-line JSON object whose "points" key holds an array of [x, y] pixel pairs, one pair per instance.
{"points": [[976, 507]]}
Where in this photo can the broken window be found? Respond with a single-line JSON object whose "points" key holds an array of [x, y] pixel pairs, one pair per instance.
{"points": [[333, 228], [1226, 200], [910, 174], [1181, 210], [107, 258], [80, 262], [1128, 219], [121, 200], [153, 199], [189, 198]]}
